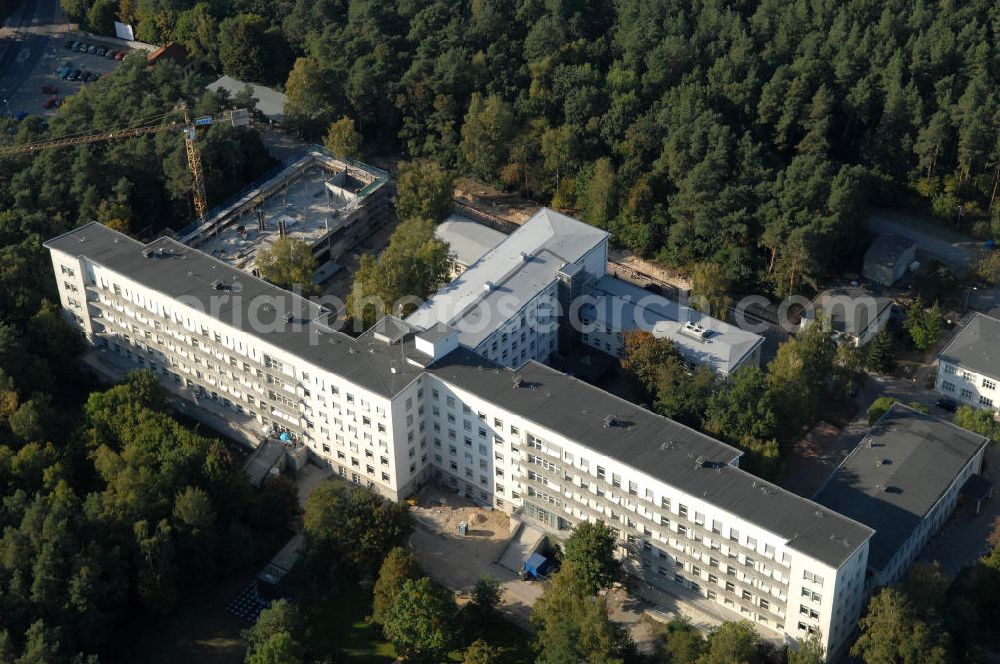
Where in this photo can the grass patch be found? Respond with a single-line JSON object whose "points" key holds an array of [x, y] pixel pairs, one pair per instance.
{"points": [[201, 630], [515, 641], [338, 624]]}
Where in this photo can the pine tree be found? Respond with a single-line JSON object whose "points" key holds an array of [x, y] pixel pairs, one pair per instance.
{"points": [[879, 356]]}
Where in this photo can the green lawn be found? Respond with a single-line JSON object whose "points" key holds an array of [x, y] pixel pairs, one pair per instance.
{"points": [[201, 630], [337, 624]]}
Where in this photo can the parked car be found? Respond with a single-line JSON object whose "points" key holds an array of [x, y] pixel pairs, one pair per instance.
{"points": [[91, 48], [51, 102], [70, 44], [65, 73], [81, 46], [49, 89], [120, 55], [110, 55], [949, 405], [75, 75], [92, 76], [101, 52]]}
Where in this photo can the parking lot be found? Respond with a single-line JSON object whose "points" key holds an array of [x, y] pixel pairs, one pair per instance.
{"points": [[66, 72], [35, 55]]}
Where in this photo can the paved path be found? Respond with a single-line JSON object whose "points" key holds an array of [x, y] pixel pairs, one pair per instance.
{"points": [[954, 249]]}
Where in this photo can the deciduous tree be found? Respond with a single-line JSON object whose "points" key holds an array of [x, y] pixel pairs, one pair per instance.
{"points": [[420, 622], [591, 550], [398, 567], [288, 263]]}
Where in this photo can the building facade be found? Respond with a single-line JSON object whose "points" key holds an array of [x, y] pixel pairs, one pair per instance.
{"points": [[403, 405], [969, 366]]}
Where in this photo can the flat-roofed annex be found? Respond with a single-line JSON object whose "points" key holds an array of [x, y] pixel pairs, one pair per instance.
{"points": [[515, 271]]}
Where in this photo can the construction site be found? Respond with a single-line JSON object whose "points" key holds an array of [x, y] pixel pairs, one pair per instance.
{"points": [[331, 204]]}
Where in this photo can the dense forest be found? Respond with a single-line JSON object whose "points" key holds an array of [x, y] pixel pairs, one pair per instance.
{"points": [[752, 135], [110, 509]]}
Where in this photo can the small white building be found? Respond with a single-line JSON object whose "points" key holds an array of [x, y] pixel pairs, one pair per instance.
{"points": [[888, 258], [851, 313], [969, 366], [617, 307]]}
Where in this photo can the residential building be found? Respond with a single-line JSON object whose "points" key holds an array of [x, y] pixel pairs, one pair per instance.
{"points": [[505, 306], [616, 307], [404, 404], [969, 366], [852, 313], [468, 240], [888, 258], [903, 480]]}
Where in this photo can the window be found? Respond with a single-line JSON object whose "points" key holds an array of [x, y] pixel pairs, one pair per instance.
{"points": [[989, 384], [949, 368], [947, 386], [815, 578], [67, 271], [682, 510], [986, 401], [966, 393]]}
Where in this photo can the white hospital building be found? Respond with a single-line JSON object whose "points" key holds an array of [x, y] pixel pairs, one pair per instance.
{"points": [[409, 402]]}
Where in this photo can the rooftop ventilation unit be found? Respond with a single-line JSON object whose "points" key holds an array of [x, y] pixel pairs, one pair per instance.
{"points": [[694, 331], [488, 286], [219, 284], [148, 253], [517, 380], [289, 317], [610, 421]]}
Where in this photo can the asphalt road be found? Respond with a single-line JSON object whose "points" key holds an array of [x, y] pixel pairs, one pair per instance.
{"points": [[953, 249], [24, 42]]}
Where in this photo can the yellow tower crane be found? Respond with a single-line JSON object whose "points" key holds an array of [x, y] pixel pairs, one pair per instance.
{"points": [[163, 122]]}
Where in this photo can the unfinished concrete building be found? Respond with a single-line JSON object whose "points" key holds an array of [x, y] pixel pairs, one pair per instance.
{"points": [[330, 203]]}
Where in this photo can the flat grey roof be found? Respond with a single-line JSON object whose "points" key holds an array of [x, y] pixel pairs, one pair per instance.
{"points": [[467, 239], [976, 346], [246, 303], [888, 249], [896, 474], [850, 310], [626, 307], [270, 102], [478, 301], [662, 448]]}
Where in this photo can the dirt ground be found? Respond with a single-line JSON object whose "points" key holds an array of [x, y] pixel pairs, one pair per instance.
{"points": [[443, 511], [513, 207]]}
